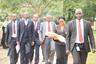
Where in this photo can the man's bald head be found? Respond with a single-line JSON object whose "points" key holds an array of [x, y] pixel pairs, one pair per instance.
{"points": [[12, 16], [78, 13], [35, 17], [49, 18]]}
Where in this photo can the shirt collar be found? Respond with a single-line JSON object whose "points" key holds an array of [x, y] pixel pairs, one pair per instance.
{"points": [[81, 20]]}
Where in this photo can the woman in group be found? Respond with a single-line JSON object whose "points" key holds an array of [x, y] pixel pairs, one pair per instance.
{"points": [[60, 46]]}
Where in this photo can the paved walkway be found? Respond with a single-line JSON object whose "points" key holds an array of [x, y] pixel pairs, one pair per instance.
{"points": [[4, 59]]}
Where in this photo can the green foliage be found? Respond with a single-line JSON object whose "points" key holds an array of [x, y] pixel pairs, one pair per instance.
{"points": [[54, 7]]}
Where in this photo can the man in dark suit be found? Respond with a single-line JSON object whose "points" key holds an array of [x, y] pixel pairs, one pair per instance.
{"points": [[36, 37], [26, 31], [79, 38], [11, 38]]}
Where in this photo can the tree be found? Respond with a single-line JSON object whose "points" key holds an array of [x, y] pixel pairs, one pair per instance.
{"points": [[54, 7]]}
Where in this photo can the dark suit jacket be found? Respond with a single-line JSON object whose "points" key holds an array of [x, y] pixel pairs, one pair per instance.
{"points": [[8, 37], [9, 32], [30, 30], [71, 35], [36, 34], [30, 34]]}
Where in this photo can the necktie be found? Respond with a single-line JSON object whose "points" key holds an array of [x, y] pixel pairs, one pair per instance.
{"points": [[80, 32], [49, 28]]}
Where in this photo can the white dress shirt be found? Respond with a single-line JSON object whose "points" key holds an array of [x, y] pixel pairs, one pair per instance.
{"points": [[14, 34], [26, 22], [77, 31], [51, 28]]}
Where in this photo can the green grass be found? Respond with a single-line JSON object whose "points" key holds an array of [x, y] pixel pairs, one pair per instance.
{"points": [[91, 58]]}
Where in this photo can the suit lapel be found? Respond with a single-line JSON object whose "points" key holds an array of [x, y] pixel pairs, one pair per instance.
{"points": [[85, 28], [74, 23], [17, 27], [23, 26], [10, 26], [44, 26], [28, 23], [52, 26], [38, 25], [84, 23], [73, 26]]}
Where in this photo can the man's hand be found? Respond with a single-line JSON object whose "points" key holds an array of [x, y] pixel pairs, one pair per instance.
{"points": [[6, 44], [41, 41], [93, 50], [32, 43], [68, 52], [18, 43]]}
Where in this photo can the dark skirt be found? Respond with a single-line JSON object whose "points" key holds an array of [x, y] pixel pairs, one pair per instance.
{"points": [[61, 54]]}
